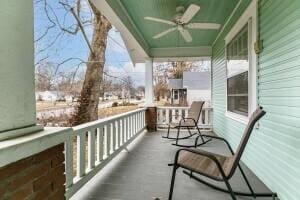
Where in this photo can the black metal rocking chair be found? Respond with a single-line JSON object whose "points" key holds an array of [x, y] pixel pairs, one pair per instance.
{"points": [[215, 166], [189, 122]]}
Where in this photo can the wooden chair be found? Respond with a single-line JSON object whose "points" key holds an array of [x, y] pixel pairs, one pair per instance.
{"points": [[189, 122], [215, 166]]}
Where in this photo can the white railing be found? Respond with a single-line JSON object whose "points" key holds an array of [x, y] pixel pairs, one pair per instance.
{"points": [[96, 143], [166, 115]]}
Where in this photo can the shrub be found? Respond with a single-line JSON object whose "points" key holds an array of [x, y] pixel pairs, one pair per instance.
{"points": [[115, 104]]}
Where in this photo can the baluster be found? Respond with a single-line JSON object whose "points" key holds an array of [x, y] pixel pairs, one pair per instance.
{"points": [[69, 162], [186, 113], [100, 144], [81, 154], [136, 122], [123, 130], [119, 132], [127, 128], [167, 116], [200, 118], [173, 115], [133, 125], [108, 139], [139, 121], [179, 114], [114, 136], [91, 149], [206, 122]]}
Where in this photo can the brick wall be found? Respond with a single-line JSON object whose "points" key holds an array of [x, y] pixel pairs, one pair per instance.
{"points": [[39, 177]]}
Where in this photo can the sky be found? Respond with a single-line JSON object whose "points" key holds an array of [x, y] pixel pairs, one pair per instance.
{"points": [[118, 62]]}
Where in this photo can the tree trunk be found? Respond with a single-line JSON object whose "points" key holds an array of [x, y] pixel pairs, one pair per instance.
{"points": [[87, 110]]}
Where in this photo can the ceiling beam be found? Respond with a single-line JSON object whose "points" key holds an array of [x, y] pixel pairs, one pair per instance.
{"points": [[202, 51]]}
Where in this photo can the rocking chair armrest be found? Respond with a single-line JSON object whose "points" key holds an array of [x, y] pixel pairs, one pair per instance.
{"points": [[222, 139], [185, 118]]}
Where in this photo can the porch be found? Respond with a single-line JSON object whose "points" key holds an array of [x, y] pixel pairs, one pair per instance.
{"points": [[141, 172], [90, 161]]}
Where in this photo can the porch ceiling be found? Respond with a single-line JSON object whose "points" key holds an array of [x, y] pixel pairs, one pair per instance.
{"points": [[132, 13]]}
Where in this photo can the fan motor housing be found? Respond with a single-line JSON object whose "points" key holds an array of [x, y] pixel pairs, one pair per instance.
{"points": [[179, 12]]}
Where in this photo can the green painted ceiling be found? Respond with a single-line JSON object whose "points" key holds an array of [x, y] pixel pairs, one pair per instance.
{"points": [[132, 13]]}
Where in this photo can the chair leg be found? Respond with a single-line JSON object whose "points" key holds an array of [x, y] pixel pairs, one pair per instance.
{"points": [[177, 138], [246, 180], [189, 131], [168, 134], [200, 134], [230, 189], [172, 182]]}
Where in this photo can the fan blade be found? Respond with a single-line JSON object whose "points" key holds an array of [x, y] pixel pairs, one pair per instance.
{"points": [[186, 35], [160, 20], [164, 33], [190, 13], [203, 26]]}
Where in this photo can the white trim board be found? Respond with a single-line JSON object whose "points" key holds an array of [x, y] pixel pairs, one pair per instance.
{"points": [[227, 21], [22, 147], [134, 47], [250, 12], [175, 59], [249, 16]]}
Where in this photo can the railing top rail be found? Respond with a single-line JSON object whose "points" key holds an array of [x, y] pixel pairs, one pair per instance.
{"points": [[89, 125], [181, 107]]}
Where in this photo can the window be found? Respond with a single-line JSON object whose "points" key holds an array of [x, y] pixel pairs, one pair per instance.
{"points": [[241, 66], [237, 73], [176, 94]]}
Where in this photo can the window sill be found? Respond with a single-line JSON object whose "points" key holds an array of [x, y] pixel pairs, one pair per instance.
{"points": [[239, 118]]}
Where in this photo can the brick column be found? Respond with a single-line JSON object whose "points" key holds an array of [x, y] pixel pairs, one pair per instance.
{"points": [[151, 119], [40, 176]]}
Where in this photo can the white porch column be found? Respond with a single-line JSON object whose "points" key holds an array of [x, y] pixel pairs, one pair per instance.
{"points": [[17, 98], [148, 82]]}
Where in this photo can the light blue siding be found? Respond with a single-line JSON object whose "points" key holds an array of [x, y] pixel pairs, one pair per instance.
{"points": [[274, 149]]}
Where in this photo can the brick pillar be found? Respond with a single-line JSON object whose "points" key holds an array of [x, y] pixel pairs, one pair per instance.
{"points": [[40, 176], [151, 119]]}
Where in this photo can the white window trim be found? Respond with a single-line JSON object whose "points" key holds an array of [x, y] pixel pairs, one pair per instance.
{"points": [[248, 17]]}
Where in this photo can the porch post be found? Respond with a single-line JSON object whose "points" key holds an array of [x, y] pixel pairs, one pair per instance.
{"points": [[148, 82], [17, 98]]}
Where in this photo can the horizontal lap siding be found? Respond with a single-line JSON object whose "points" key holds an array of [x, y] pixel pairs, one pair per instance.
{"points": [[274, 150]]}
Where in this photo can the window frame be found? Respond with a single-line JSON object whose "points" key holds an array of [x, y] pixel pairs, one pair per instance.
{"points": [[249, 17], [176, 94]]}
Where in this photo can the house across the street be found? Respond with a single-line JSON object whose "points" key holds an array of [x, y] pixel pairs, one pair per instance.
{"points": [[192, 87]]}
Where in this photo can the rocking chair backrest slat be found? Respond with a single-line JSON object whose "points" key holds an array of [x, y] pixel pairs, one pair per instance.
{"points": [[195, 110], [256, 115]]}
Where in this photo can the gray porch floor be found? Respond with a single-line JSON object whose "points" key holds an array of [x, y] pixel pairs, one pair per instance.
{"points": [[143, 174]]}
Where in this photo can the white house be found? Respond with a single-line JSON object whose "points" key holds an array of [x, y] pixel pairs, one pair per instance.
{"points": [[192, 87], [47, 96]]}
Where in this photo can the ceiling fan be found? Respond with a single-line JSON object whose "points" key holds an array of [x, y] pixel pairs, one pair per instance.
{"points": [[181, 22]]}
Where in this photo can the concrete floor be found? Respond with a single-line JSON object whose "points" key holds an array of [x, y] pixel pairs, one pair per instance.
{"points": [[143, 174]]}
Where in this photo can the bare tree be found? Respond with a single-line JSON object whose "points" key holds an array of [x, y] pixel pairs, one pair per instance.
{"points": [[45, 78], [161, 73], [88, 107], [77, 20]]}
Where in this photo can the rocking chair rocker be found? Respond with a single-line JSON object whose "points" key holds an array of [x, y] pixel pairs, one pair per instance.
{"points": [[190, 122]]}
